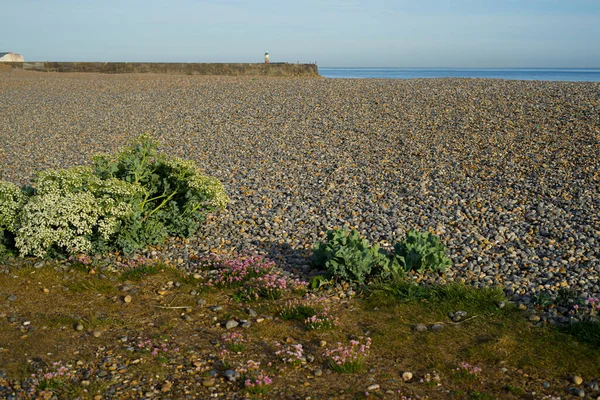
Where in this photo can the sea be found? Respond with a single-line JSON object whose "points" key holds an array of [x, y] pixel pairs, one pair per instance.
{"points": [[528, 74]]}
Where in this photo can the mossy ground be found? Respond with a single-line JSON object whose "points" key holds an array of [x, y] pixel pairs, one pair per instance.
{"points": [[515, 357]]}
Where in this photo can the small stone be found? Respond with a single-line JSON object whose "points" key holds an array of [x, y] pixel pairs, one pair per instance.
{"points": [[546, 385], [592, 386], [259, 320], [187, 318], [11, 297], [231, 324], [310, 358], [522, 307], [166, 387], [534, 318], [193, 292], [79, 327], [577, 392], [458, 316], [197, 276], [46, 290], [318, 372], [127, 299], [407, 376], [215, 308], [373, 387], [501, 304], [201, 302], [419, 328], [85, 383], [208, 382], [39, 265], [231, 375], [246, 324], [437, 327], [97, 333], [252, 312], [322, 343], [577, 380]]}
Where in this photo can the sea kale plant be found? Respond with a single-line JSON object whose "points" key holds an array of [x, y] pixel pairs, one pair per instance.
{"points": [[349, 257], [121, 202], [421, 252]]}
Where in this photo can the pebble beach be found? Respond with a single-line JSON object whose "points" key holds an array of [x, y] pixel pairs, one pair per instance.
{"points": [[506, 173]]}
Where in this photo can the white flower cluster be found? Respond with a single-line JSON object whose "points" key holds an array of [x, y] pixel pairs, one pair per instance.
{"points": [[70, 206], [11, 201], [205, 186], [83, 209]]}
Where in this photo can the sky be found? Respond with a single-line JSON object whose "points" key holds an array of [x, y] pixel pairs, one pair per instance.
{"points": [[332, 33]]}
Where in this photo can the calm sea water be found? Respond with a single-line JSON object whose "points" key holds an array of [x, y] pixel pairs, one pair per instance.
{"points": [[535, 74]]}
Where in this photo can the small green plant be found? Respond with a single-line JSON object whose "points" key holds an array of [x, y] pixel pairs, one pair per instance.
{"points": [[348, 359], [320, 321], [566, 297], [296, 310], [466, 371], [348, 256], [258, 386], [235, 341], [421, 252], [318, 282]]}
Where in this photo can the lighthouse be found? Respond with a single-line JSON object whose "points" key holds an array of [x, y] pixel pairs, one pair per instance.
{"points": [[267, 57]]}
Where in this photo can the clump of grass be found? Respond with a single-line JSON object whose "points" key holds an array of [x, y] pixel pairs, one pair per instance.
{"points": [[442, 297], [296, 310], [135, 269], [270, 286], [139, 272]]}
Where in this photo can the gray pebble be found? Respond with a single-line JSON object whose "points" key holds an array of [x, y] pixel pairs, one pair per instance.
{"points": [[231, 324], [231, 375]]}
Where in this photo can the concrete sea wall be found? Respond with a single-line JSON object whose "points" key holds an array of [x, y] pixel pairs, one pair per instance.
{"points": [[233, 69]]}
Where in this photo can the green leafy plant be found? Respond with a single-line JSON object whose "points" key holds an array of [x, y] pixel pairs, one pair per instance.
{"points": [[176, 194], [421, 252], [122, 202], [349, 257]]}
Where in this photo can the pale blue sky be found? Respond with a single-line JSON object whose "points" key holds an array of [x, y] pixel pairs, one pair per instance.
{"points": [[334, 33]]}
